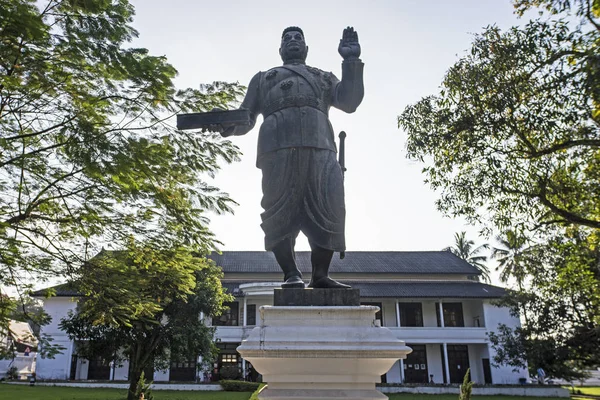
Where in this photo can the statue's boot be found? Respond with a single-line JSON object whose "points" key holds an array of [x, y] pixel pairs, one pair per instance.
{"points": [[321, 260], [285, 256]]}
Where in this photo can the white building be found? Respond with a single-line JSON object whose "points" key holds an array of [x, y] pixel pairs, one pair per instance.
{"points": [[431, 300], [21, 342]]}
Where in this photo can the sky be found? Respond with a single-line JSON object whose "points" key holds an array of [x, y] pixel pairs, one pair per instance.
{"points": [[407, 46]]}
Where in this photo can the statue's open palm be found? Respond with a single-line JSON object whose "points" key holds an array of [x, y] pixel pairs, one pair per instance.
{"points": [[349, 47]]}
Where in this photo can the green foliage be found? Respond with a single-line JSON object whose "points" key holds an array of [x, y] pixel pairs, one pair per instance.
{"points": [[466, 388], [512, 257], [230, 372], [143, 388], [257, 391], [144, 305], [512, 141], [89, 155], [12, 373], [513, 138], [238, 386], [466, 250], [560, 305]]}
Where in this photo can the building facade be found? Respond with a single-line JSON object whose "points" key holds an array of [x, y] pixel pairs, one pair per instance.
{"points": [[431, 300]]}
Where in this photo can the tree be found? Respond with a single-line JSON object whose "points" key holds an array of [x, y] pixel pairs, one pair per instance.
{"points": [[510, 257], [561, 308], [144, 305], [512, 141], [89, 155], [513, 138], [466, 250]]}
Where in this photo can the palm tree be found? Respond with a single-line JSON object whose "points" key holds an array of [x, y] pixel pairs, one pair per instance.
{"points": [[466, 250], [510, 257]]}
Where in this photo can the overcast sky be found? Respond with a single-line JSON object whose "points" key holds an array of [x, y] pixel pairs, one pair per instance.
{"points": [[406, 46]]}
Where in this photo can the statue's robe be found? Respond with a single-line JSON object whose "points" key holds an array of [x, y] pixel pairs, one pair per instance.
{"points": [[302, 183]]}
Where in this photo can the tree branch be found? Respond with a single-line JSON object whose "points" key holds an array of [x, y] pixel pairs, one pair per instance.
{"points": [[569, 216]]}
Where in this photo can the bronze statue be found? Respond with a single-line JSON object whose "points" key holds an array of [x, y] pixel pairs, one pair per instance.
{"points": [[303, 188]]}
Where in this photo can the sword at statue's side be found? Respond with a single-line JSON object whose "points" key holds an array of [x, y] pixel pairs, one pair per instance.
{"points": [[342, 161], [342, 155]]}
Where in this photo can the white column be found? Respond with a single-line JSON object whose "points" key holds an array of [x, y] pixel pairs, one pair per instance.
{"points": [[245, 311], [442, 315], [111, 376], [402, 370], [446, 368], [243, 369], [397, 314], [199, 372], [70, 349]]}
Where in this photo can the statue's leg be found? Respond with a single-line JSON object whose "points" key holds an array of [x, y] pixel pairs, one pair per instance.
{"points": [[284, 254], [320, 259]]}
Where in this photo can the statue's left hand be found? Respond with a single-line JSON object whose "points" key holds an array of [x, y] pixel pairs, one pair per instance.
{"points": [[349, 47]]}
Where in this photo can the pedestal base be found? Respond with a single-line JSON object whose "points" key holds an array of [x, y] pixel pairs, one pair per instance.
{"points": [[315, 394], [316, 297], [321, 352]]}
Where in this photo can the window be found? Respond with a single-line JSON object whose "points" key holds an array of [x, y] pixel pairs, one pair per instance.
{"points": [[378, 313], [229, 358], [229, 316], [453, 314], [251, 314], [183, 370], [411, 314]]}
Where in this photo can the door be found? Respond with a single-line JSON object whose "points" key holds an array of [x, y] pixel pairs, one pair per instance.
{"points": [[99, 369], [487, 371], [73, 367], [415, 365], [458, 362]]}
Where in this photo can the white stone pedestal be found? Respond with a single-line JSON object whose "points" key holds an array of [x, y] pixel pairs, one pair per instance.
{"points": [[309, 353]]}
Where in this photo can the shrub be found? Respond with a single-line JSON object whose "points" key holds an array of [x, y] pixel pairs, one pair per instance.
{"points": [[230, 372], [238, 386], [466, 387], [143, 387], [12, 373], [257, 391]]}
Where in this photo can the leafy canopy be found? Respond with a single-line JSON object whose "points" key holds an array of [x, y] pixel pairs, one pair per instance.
{"points": [[512, 141], [465, 249], [89, 155], [144, 306], [513, 138]]}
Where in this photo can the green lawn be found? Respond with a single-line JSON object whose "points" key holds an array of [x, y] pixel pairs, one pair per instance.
{"points": [[414, 396], [18, 392], [589, 390]]}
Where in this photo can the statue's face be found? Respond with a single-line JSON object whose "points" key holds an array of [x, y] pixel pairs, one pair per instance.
{"points": [[293, 46]]}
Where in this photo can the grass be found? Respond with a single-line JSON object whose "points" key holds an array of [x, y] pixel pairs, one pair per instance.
{"points": [[586, 390], [12, 392], [415, 396]]}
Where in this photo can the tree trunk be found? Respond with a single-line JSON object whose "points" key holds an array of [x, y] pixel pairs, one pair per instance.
{"points": [[135, 369], [136, 372]]}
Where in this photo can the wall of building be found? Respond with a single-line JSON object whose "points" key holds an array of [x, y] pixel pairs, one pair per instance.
{"points": [[493, 317], [389, 313], [59, 367], [434, 362], [429, 313], [473, 312]]}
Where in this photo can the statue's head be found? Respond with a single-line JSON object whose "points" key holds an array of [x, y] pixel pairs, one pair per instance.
{"points": [[293, 47]]}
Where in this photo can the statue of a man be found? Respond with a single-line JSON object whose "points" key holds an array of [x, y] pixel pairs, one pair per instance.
{"points": [[302, 183]]}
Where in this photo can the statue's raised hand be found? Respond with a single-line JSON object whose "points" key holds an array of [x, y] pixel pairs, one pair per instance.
{"points": [[349, 47]]}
